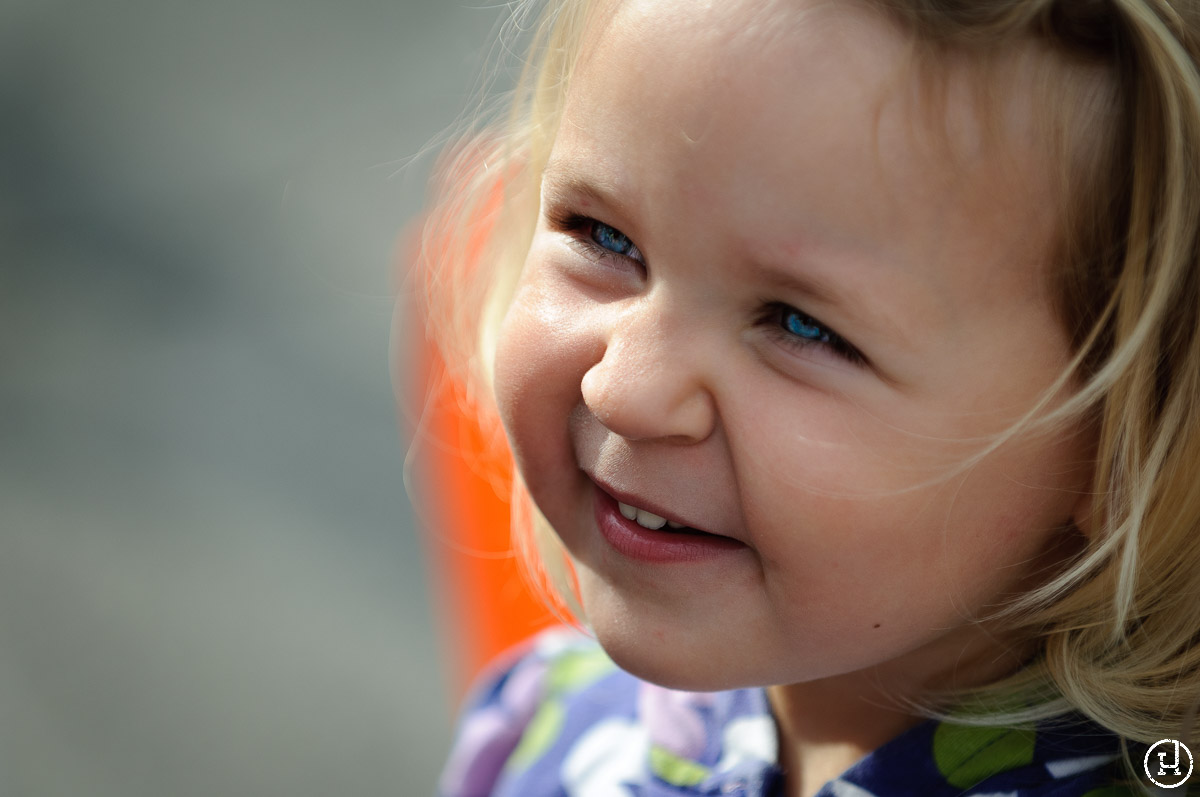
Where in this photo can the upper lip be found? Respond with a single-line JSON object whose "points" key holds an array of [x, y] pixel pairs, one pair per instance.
{"points": [[645, 503]]}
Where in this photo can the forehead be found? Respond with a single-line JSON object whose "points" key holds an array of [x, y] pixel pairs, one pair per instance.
{"points": [[781, 112], [694, 69]]}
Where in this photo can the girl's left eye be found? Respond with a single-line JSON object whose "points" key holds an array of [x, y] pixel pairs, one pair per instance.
{"points": [[798, 330]]}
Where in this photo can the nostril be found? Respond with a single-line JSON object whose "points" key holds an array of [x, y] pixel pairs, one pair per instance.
{"points": [[613, 391], [595, 392], [666, 404]]}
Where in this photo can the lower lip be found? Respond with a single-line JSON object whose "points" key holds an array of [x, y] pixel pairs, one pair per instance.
{"points": [[659, 547]]}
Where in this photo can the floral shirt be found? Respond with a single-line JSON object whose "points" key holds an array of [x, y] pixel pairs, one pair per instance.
{"points": [[561, 720]]}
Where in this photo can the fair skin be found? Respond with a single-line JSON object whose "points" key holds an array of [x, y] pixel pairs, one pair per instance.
{"points": [[765, 299]]}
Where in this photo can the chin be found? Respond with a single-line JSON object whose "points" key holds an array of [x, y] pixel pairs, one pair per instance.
{"points": [[659, 658], [661, 670], [659, 646]]}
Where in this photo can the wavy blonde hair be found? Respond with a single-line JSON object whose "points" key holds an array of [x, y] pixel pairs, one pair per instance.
{"points": [[1118, 628]]}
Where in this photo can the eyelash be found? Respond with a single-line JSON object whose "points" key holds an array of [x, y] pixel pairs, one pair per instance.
{"points": [[775, 314]]}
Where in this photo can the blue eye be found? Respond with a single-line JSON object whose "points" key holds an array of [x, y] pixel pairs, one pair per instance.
{"points": [[612, 239], [803, 326], [800, 331], [594, 239]]}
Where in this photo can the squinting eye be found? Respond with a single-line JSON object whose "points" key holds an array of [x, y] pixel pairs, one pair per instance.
{"points": [[595, 239], [804, 326], [612, 239], [800, 330]]}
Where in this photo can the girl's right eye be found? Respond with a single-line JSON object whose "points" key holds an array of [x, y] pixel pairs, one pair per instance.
{"points": [[613, 240], [596, 239]]}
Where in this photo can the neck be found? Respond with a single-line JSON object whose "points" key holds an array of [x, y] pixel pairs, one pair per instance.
{"points": [[827, 725]]}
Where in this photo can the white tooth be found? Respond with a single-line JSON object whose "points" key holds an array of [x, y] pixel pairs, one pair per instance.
{"points": [[650, 520], [630, 512], [674, 525]]}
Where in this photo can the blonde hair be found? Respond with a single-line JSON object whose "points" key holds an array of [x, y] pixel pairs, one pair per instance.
{"points": [[1118, 629]]}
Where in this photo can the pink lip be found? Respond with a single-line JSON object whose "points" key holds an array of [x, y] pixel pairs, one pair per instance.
{"points": [[659, 547]]}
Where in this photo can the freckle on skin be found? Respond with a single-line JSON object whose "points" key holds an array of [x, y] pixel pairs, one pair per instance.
{"points": [[877, 625]]}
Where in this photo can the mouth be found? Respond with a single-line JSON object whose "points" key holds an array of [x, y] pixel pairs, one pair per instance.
{"points": [[655, 536], [648, 520], [646, 514]]}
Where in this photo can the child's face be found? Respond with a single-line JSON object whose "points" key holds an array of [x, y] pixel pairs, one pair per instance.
{"points": [[768, 299]]}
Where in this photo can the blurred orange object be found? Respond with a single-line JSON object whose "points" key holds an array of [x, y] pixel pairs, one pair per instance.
{"points": [[461, 469], [484, 602]]}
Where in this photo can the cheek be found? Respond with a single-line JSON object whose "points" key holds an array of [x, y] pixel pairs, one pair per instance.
{"points": [[517, 361], [521, 370], [541, 357], [888, 512]]}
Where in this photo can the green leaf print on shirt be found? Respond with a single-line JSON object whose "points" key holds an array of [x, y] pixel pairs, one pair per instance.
{"points": [[568, 672], [675, 770], [539, 735], [967, 755], [576, 669]]}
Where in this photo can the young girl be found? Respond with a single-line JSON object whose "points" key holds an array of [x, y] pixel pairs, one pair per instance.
{"points": [[850, 355]]}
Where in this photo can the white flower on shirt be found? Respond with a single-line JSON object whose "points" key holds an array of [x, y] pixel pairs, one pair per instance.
{"points": [[611, 754], [748, 739]]}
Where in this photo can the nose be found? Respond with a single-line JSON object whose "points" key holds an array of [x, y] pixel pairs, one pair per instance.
{"points": [[650, 384]]}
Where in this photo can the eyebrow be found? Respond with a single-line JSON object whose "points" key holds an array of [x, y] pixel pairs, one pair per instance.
{"points": [[845, 299], [841, 296], [559, 180], [790, 282]]}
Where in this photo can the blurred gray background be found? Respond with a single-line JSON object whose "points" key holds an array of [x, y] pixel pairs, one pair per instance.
{"points": [[210, 582]]}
